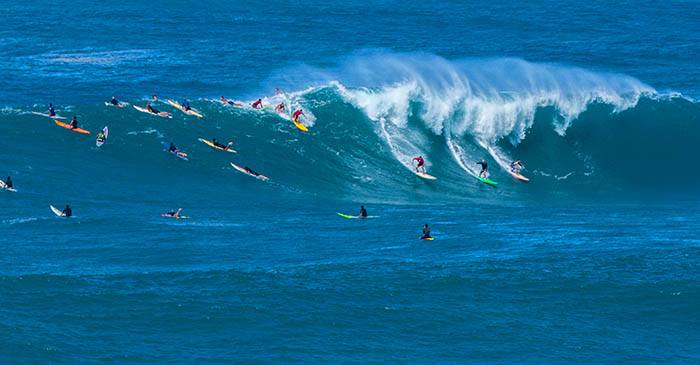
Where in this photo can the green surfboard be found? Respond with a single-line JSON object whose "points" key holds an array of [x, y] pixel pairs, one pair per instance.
{"points": [[354, 216], [486, 181]]}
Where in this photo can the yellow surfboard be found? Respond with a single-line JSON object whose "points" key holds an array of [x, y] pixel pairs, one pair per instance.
{"points": [[190, 112]]}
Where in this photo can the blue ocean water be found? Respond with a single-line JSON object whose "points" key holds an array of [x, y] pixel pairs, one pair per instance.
{"points": [[595, 259]]}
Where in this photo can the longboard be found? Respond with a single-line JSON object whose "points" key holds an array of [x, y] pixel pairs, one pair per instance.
{"points": [[211, 144], [105, 131], [518, 176], [356, 217], [119, 105], [159, 114], [56, 211], [486, 181], [424, 175], [48, 116], [261, 177], [427, 238], [67, 126], [172, 216], [190, 112], [179, 154]]}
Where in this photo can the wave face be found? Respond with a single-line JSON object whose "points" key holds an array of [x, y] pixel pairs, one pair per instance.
{"points": [[578, 133]]}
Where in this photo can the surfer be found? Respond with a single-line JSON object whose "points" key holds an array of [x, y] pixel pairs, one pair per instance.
{"points": [[295, 116], [52, 113], [363, 212], [101, 136], [8, 183], [217, 144], [484, 167], [186, 104], [421, 163], [257, 104], [173, 213], [172, 148], [248, 170], [151, 109], [154, 97], [278, 91], [426, 232], [280, 108], [74, 122], [114, 101], [68, 211], [516, 166]]}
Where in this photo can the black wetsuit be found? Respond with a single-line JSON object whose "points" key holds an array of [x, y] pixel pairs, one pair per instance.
{"points": [[74, 123], [67, 212], [172, 148], [115, 102], [484, 166], [51, 112], [426, 232], [363, 212], [217, 144], [8, 183], [248, 170]]}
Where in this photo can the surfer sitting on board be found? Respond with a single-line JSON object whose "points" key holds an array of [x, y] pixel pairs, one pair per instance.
{"points": [[421, 163], [295, 116], [52, 113], [101, 136], [172, 148], [217, 144], [280, 108], [257, 104], [186, 104], [363, 212], [484, 167], [248, 170], [8, 183], [74, 122], [114, 101], [426, 232], [68, 211], [173, 213], [516, 166]]}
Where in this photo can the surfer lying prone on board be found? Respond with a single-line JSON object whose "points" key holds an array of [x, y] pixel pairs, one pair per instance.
{"points": [[248, 170], [218, 144], [173, 213], [229, 102]]}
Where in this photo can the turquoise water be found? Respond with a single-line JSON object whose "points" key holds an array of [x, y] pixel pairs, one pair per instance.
{"points": [[595, 259]]}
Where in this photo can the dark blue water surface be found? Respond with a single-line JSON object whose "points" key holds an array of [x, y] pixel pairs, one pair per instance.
{"points": [[595, 259]]}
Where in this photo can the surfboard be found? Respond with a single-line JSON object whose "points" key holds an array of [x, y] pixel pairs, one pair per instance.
{"points": [[105, 131], [518, 176], [179, 154], [261, 177], [3, 186], [119, 105], [190, 112], [424, 175], [284, 116], [300, 126], [356, 217], [172, 216], [67, 126], [485, 181], [211, 144], [48, 116], [427, 239], [159, 114], [56, 211]]}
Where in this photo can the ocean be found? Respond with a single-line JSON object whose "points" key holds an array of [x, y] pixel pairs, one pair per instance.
{"points": [[595, 259]]}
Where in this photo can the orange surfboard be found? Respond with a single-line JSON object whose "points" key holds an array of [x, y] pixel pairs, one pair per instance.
{"points": [[67, 126]]}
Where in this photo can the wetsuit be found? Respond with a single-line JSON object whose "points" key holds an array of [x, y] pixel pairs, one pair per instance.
{"points": [[217, 144], [363, 213], [74, 123], [68, 211], [115, 102], [248, 170], [426, 232], [296, 115], [52, 113], [420, 160], [8, 183], [484, 166], [186, 105], [152, 110], [515, 166], [172, 148]]}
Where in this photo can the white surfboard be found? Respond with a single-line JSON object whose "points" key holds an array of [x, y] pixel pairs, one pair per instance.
{"points": [[56, 211], [99, 143], [48, 116], [424, 175], [3, 186]]}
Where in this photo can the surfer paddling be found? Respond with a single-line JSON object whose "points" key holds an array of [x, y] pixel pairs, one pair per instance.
{"points": [[173, 213], [218, 144]]}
